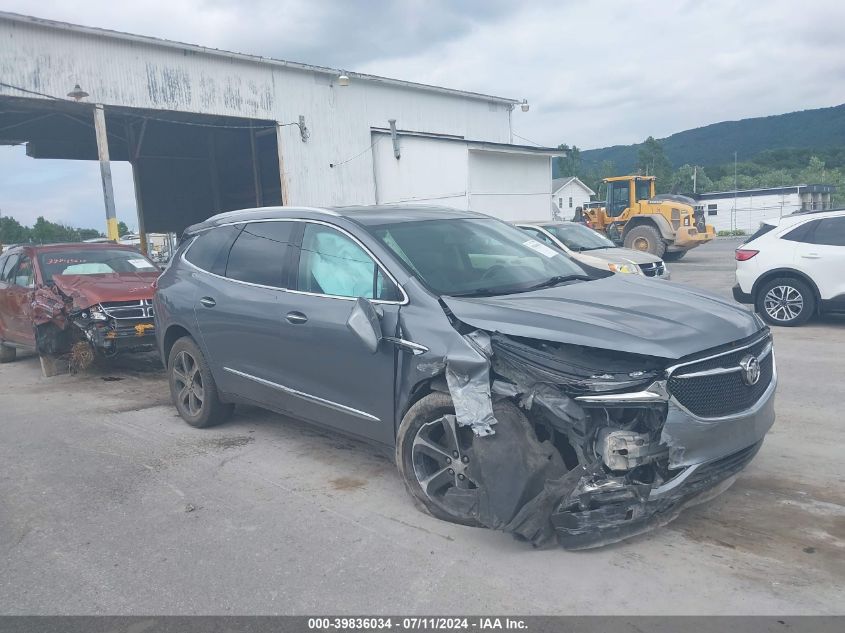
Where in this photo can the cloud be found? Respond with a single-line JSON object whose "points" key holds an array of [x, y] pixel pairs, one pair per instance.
{"points": [[595, 73]]}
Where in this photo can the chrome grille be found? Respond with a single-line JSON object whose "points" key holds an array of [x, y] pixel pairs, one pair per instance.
{"points": [[714, 387], [141, 309]]}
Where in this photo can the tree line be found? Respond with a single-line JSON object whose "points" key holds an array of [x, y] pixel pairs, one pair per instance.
{"points": [[770, 168], [46, 232]]}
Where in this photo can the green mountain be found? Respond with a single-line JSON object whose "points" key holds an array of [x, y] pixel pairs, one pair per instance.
{"points": [[715, 144]]}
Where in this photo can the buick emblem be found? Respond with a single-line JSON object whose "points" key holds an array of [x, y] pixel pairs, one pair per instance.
{"points": [[750, 367]]}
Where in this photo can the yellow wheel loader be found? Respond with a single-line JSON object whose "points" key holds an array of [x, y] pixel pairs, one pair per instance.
{"points": [[667, 225]]}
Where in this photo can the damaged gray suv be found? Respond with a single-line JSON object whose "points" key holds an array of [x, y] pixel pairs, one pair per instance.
{"points": [[521, 391]]}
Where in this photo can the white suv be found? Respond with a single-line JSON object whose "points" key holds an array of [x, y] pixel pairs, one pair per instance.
{"points": [[794, 267]]}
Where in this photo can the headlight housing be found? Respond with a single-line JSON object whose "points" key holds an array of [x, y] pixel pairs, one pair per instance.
{"points": [[630, 269]]}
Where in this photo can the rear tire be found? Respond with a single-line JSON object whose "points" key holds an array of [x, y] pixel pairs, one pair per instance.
{"points": [[674, 256], [645, 238], [192, 386], [785, 301], [7, 353]]}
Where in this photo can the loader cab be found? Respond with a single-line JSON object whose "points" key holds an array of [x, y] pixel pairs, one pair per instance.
{"points": [[624, 192]]}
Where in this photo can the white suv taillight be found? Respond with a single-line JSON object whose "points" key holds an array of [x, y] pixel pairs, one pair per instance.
{"points": [[743, 254]]}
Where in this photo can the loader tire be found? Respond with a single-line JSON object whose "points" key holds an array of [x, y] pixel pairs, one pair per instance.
{"points": [[675, 256], [645, 238]]}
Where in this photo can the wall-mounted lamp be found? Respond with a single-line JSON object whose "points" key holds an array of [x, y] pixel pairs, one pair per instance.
{"points": [[77, 93], [343, 79], [524, 105]]}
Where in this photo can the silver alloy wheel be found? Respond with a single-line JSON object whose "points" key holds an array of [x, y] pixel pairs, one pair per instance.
{"points": [[440, 459], [783, 303], [188, 379]]}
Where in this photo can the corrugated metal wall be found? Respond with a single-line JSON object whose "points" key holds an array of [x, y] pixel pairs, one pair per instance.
{"points": [[133, 73]]}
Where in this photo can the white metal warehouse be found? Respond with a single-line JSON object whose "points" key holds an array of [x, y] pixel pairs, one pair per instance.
{"points": [[208, 130]]}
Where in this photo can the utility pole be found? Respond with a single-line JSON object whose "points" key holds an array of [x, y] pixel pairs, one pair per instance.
{"points": [[736, 188], [105, 171], [694, 176]]}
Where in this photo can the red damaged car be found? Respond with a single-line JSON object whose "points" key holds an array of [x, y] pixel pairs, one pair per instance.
{"points": [[64, 297]]}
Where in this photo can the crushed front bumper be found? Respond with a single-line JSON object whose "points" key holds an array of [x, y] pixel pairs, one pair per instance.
{"points": [[613, 513], [704, 455], [119, 336]]}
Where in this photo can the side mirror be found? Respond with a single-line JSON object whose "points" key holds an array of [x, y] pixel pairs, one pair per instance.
{"points": [[364, 323]]}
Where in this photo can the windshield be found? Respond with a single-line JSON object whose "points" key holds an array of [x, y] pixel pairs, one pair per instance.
{"points": [[578, 237], [93, 261], [476, 256]]}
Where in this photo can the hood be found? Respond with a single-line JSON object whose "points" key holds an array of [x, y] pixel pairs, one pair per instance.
{"points": [[88, 290], [625, 313], [623, 255]]}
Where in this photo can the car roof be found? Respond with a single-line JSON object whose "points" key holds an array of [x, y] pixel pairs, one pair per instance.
{"points": [[797, 218], [363, 215]]}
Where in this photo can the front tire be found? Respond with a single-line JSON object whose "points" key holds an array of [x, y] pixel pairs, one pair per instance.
{"points": [[786, 301], [7, 353], [192, 386], [434, 457], [645, 238]]}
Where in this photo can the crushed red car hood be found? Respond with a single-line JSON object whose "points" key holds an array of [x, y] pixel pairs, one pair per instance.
{"points": [[88, 290]]}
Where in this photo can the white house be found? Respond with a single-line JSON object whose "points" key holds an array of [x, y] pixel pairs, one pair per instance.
{"points": [[568, 194], [745, 210]]}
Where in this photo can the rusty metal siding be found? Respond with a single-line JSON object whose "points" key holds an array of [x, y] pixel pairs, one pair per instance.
{"points": [[119, 71]]}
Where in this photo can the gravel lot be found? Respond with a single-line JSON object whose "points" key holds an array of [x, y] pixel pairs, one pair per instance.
{"points": [[111, 504]]}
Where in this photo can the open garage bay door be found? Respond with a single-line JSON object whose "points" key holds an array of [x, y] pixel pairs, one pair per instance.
{"points": [[187, 167]]}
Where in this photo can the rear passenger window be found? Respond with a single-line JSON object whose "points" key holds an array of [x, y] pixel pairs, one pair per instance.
{"points": [[803, 233], [831, 232], [210, 249], [258, 255], [764, 228]]}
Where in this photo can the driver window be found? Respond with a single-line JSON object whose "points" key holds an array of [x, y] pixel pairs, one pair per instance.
{"points": [[330, 263], [24, 275], [619, 198]]}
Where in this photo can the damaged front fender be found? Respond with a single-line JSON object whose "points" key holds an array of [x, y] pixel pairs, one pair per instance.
{"points": [[584, 455]]}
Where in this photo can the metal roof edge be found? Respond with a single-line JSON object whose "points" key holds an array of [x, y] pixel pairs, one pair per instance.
{"points": [[486, 145], [745, 193], [196, 48]]}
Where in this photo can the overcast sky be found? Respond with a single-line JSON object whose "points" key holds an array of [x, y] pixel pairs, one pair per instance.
{"points": [[596, 73]]}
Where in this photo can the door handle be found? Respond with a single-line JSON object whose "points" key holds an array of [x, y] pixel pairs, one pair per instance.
{"points": [[296, 317], [811, 256], [208, 302]]}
